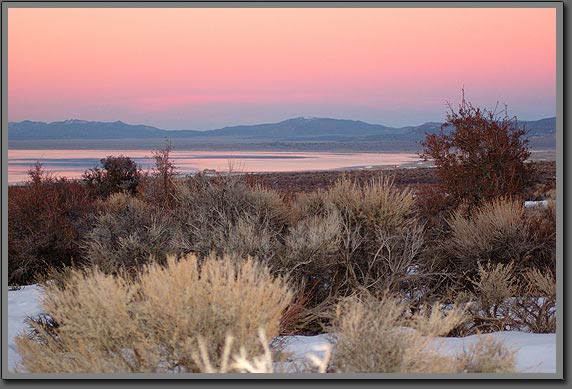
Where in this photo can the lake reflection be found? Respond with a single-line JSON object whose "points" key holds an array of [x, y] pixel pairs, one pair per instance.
{"points": [[72, 163]]}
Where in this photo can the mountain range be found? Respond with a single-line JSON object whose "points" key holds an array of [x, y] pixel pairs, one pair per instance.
{"points": [[297, 129]]}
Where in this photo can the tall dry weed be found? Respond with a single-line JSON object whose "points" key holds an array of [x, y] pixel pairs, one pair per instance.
{"points": [[535, 309]]}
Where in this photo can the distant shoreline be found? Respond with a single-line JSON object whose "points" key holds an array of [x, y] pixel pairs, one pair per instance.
{"points": [[236, 145], [538, 157]]}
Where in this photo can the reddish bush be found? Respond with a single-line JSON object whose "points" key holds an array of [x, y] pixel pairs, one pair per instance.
{"points": [[482, 157], [47, 218], [433, 207]]}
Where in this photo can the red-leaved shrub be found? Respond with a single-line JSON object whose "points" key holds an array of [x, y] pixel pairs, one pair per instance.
{"points": [[47, 219], [479, 155]]}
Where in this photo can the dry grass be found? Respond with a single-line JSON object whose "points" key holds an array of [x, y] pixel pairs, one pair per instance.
{"points": [[153, 323], [487, 356], [375, 336], [501, 302], [535, 310], [242, 363]]}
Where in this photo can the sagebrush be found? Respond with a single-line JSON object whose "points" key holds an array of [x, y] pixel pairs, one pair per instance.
{"points": [[153, 323]]}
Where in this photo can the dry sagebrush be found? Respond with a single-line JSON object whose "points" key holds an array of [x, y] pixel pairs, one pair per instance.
{"points": [[501, 301], [354, 237], [222, 214], [375, 336], [496, 232], [110, 324], [128, 233], [501, 231], [241, 362], [487, 355]]}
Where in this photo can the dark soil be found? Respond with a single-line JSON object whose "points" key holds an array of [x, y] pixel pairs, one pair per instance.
{"points": [[544, 178]]}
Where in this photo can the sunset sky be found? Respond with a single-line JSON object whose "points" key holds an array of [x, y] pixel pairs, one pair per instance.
{"points": [[208, 68]]}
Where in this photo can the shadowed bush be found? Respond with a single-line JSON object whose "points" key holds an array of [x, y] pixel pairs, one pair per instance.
{"points": [[152, 323], [353, 237], [117, 174], [535, 309], [502, 301], [127, 234], [222, 214], [158, 185]]}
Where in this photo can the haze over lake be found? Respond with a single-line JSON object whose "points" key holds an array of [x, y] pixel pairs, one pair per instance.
{"points": [[72, 163]]}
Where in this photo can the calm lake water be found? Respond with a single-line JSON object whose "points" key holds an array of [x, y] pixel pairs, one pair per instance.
{"points": [[72, 163]]}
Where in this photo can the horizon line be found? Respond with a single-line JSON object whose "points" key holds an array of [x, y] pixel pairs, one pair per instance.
{"points": [[254, 124]]}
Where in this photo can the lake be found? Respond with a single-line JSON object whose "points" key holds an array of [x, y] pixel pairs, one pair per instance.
{"points": [[72, 163]]}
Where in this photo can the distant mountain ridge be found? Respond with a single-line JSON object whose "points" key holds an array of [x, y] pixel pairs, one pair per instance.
{"points": [[296, 129]]}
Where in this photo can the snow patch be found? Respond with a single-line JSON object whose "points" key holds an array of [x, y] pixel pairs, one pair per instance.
{"points": [[536, 353], [22, 303], [532, 204]]}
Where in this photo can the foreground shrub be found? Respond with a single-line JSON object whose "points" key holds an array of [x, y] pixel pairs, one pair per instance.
{"points": [[153, 323], [47, 219], [494, 286], [482, 157], [128, 233], [495, 289], [375, 336]]}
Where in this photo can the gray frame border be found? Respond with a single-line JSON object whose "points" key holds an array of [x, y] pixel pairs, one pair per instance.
{"points": [[558, 5]]}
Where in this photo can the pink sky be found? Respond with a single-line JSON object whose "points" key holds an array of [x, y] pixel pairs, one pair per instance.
{"points": [[204, 68]]}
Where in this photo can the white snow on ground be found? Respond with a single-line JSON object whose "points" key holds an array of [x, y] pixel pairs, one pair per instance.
{"points": [[300, 348], [22, 303], [532, 204], [536, 353]]}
